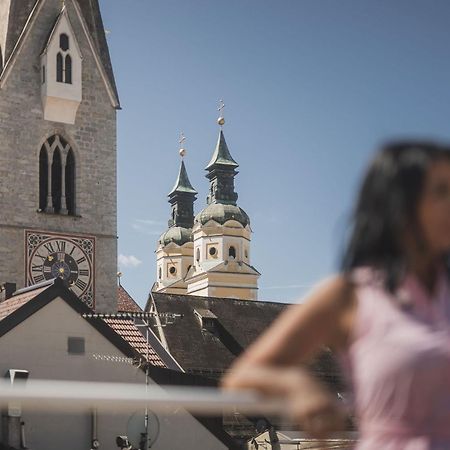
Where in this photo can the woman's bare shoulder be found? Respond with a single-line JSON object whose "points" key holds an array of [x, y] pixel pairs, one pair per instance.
{"points": [[333, 302], [335, 292]]}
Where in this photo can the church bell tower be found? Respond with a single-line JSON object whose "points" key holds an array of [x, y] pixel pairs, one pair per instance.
{"points": [[175, 252], [58, 104], [222, 235]]}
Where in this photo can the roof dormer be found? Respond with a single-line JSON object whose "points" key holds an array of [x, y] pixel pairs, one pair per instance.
{"points": [[61, 62]]}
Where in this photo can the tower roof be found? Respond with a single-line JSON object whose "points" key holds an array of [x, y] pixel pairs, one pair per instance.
{"points": [[15, 13], [91, 13], [182, 184], [177, 235], [14, 19], [222, 155], [221, 213]]}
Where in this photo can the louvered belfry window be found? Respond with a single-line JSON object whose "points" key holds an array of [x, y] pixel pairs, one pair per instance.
{"points": [[57, 176]]}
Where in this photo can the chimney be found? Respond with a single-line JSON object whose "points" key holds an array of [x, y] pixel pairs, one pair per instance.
{"points": [[7, 290]]}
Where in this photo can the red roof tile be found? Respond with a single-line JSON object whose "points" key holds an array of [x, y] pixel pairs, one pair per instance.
{"points": [[125, 302], [127, 329], [9, 306]]}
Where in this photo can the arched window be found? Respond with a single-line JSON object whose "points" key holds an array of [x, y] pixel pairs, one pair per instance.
{"points": [[64, 42], [43, 178], [61, 168], [56, 181], [59, 68], [70, 183], [159, 273], [232, 252], [197, 255], [68, 70], [63, 61]]}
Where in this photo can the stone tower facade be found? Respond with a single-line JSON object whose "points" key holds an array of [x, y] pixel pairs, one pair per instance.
{"points": [[175, 252], [58, 104]]}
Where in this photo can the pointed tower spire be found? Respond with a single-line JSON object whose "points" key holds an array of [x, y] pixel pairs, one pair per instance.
{"points": [[182, 196], [182, 184], [222, 170], [221, 155]]}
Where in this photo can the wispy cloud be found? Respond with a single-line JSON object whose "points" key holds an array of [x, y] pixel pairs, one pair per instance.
{"points": [[129, 261], [289, 286], [149, 226]]}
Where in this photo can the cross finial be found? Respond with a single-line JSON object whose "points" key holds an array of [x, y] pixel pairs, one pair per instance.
{"points": [[182, 150], [221, 119]]}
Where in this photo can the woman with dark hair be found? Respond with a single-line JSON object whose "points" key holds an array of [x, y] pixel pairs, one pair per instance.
{"points": [[386, 315]]}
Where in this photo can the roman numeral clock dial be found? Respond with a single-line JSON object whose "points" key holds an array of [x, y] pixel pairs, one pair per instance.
{"points": [[71, 258]]}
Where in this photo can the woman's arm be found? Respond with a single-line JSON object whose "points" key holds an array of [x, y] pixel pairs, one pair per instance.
{"points": [[272, 365], [324, 319]]}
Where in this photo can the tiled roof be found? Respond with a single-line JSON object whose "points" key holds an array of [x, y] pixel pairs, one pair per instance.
{"points": [[127, 330], [126, 303], [238, 323], [209, 350], [12, 304]]}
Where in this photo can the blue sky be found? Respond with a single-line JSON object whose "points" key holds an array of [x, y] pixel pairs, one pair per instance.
{"points": [[311, 88]]}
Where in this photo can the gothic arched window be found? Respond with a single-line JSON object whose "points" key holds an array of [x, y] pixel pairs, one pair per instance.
{"points": [[70, 183], [232, 252], [56, 181], [64, 61], [59, 68], [64, 42], [57, 176], [68, 70], [43, 178]]}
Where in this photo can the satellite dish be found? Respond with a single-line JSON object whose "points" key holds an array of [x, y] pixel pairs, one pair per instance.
{"points": [[136, 430]]}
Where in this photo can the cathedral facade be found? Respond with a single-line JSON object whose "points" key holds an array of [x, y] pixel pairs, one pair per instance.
{"points": [[58, 105]]}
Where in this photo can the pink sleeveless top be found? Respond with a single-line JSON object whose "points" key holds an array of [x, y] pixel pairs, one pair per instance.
{"points": [[398, 365]]}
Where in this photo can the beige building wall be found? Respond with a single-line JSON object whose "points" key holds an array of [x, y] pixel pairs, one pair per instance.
{"points": [[217, 273], [180, 258], [39, 345]]}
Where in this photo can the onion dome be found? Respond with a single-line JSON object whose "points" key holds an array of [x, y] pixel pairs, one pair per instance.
{"points": [[221, 213], [177, 235]]}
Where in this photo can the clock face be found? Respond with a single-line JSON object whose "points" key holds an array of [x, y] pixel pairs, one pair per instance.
{"points": [[71, 258]]}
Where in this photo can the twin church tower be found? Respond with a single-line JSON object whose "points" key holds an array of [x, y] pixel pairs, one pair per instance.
{"points": [[207, 254]]}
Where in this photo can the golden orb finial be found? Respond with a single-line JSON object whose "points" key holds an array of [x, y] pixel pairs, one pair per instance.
{"points": [[182, 150], [221, 119]]}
